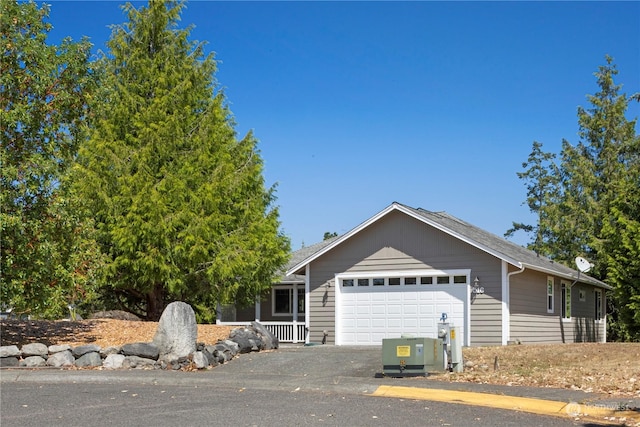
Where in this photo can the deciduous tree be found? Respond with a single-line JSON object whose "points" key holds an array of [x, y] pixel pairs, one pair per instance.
{"points": [[48, 258]]}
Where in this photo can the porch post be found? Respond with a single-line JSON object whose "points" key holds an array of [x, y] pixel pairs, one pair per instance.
{"points": [[295, 313], [257, 308], [218, 311]]}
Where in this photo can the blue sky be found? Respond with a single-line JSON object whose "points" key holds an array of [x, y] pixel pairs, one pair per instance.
{"points": [[431, 104]]}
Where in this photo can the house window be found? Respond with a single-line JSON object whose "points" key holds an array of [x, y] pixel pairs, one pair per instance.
{"points": [[459, 279], [550, 294], [598, 313], [363, 282], [379, 281], [283, 301], [442, 280], [410, 281], [566, 301], [426, 280], [347, 282], [394, 281]]}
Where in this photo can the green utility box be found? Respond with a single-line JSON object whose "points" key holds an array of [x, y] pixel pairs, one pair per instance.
{"points": [[406, 357]]}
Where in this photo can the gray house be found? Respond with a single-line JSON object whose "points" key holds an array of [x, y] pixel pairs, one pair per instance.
{"points": [[400, 270]]}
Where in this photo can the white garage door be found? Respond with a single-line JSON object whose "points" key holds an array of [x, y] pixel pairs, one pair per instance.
{"points": [[365, 315]]}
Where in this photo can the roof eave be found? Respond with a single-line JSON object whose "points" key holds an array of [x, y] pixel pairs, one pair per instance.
{"points": [[577, 276]]}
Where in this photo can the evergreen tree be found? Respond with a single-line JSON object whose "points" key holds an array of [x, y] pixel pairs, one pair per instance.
{"points": [[595, 212], [180, 201], [541, 175], [48, 258]]}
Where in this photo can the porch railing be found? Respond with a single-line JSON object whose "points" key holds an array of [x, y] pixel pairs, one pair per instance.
{"points": [[290, 332]]}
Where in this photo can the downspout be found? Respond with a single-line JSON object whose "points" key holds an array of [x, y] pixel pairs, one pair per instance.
{"points": [[506, 301], [307, 303]]}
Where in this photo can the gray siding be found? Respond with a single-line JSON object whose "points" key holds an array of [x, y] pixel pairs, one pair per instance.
{"points": [[530, 322], [399, 242]]}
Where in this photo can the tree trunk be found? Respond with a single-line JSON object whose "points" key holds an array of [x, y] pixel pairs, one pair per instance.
{"points": [[155, 303]]}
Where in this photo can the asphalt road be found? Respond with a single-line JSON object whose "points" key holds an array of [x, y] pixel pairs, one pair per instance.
{"points": [[135, 404], [290, 387]]}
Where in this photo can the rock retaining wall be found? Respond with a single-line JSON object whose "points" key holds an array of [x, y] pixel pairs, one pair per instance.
{"points": [[137, 355]]}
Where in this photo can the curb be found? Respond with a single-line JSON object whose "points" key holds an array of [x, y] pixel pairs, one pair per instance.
{"points": [[514, 403]]}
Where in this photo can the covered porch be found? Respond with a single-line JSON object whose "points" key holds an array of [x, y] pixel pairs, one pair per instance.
{"points": [[282, 312]]}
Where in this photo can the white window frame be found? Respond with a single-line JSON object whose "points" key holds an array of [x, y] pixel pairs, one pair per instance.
{"points": [[550, 294], [598, 306], [402, 275], [291, 301], [565, 310]]}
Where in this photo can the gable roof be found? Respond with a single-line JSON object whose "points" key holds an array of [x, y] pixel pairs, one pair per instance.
{"points": [[492, 244]]}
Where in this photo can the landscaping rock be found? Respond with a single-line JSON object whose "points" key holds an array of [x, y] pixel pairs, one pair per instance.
{"points": [[138, 362], [269, 341], [9, 351], [200, 360], [91, 359], [35, 349], [110, 350], [33, 362], [113, 361], [246, 339], [141, 349], [177, 331], [9, 362], [84, 349], [62, 358], [58, 348]]}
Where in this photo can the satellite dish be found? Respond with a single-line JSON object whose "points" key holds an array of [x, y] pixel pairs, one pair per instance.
{"points": [[583, 265]]}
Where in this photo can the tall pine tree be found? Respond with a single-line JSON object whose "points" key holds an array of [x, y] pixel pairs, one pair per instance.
{"points": [[180, 200], [541, 176], [595, 212]]}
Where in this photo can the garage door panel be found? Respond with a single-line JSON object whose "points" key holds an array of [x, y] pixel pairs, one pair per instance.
{"points": [[394, 309], [410, 310], [369, 314]]}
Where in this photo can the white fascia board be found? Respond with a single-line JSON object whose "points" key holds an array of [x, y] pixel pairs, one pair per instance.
{"points": [[452, 233], [401, 208], [341, 239], [591, 281]]}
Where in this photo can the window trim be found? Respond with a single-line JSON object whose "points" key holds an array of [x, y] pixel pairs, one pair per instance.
{"points": [[301, 302], [418, 275], [550, 295], [598, 317], [565, 311]]}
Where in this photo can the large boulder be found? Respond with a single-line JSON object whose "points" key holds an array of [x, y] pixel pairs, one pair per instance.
{"points": [[269, 340], [247, 339], [177, 332]]}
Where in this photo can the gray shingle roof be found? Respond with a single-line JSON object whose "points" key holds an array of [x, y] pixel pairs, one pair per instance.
{"points": [[488, 242], [504, 249]]}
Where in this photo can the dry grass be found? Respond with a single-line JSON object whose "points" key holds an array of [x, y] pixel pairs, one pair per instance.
{"points": [[103, 332], [609, 368]]}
